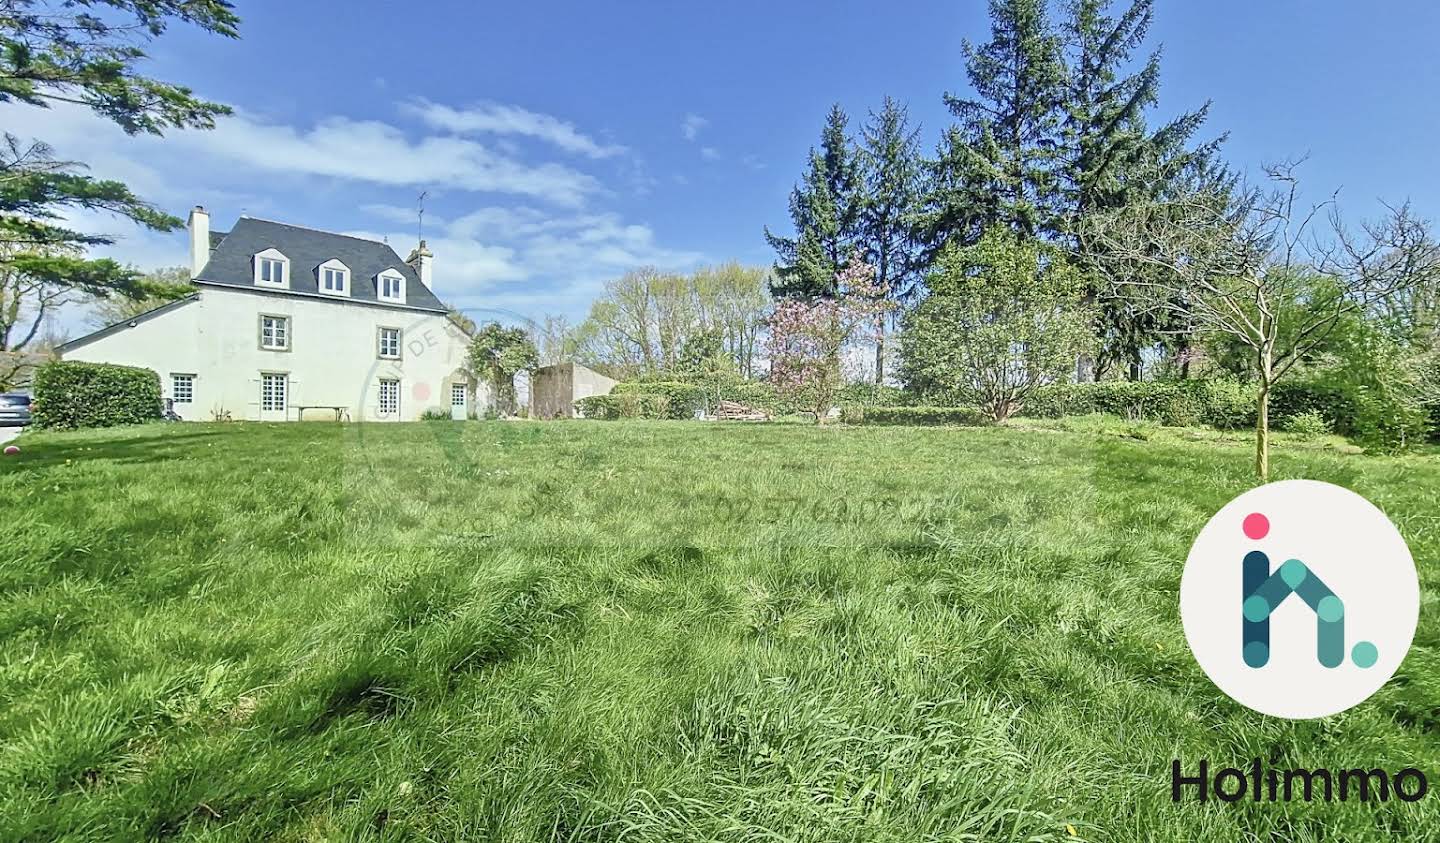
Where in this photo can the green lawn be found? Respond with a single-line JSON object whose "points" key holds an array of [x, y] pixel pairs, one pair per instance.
{"points": [[650, 631]]}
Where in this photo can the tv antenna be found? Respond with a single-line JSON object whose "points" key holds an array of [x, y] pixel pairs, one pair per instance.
{"points": [[420, 215]]}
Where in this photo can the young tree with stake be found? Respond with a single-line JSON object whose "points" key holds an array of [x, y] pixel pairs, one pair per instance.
{"points": [[1254, 268]]}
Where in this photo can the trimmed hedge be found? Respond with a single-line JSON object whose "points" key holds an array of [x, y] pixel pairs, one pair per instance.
{"points": [[684, 399], [688, 398], [859, 414], [872, 395], [1224, 404], [72, 394], [624, 406], [1218, 403]]}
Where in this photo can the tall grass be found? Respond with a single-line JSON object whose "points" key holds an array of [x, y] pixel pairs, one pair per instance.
{"points": [[648, 631]]}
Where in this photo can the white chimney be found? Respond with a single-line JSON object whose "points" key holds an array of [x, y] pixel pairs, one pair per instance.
{"points": [[420, 260], [199, 225]]}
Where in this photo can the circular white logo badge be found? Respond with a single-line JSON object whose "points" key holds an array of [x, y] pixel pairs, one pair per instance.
{"points": [[1299, 599]]}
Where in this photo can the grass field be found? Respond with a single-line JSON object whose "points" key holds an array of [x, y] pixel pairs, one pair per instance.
{"points": [[650, 631]]}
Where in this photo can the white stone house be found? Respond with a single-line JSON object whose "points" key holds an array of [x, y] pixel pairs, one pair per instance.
{"points": [[290, 323]]}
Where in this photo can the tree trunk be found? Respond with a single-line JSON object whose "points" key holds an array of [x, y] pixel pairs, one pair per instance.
{"points": [[1262, 432], [880, 350]]}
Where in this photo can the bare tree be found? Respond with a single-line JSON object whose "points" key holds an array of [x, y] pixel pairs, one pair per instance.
{"points": [[555, 339], [169, 283], [1255, 267], [642, 322], [734, 300]]}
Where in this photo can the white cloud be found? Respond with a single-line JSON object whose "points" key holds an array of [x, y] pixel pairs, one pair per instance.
{"points": [[499, 119], [535, 244], [710, 153], [526, 260], [692, 124], [334, 147], [378, 153]]}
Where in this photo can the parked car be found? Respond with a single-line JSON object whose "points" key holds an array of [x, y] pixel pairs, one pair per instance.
{"points": [[14, 409]]}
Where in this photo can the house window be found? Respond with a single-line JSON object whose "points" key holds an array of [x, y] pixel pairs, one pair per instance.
{"points": [[333, 280], [392, 287], [182, 388], [389, 397], [275, 333], [272, 269], [457, 394], [390, 343], [272, 392]]}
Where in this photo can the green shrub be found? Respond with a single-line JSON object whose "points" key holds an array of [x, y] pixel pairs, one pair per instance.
{"points": [[1229, 404], [872, 395], [624, 406], [1323, 395], [435, 414], [71, 394], [684, 400], [1374, 398], [1427, 380], [1373, 404], [1308, 423], [598, 407], [969, 416], [1219, 403]]}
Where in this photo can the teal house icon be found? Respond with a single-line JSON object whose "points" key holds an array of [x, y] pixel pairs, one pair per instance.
{"points": [[1263, 591]]}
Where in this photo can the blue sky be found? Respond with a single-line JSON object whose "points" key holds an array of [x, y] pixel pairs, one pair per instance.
{"points": [[564, 143]]}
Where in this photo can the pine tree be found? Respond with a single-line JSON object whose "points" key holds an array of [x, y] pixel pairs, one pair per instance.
{"points": [[1111, 158], [999, 165], [825, 210], [53, 51], [890, 159]]}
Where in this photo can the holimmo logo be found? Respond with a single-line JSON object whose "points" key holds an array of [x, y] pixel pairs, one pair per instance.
{"points": [[1313, 634]]}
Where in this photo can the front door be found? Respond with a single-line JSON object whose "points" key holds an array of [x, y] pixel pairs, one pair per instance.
{"points": [[459, 401], [274, 393]]}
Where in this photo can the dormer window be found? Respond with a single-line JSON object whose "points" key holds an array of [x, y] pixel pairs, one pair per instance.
{"points": [[272, 269], [390, 286], [334, 278]]}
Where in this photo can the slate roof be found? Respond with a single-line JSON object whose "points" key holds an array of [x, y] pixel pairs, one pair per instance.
{"points": [[232, 252]]}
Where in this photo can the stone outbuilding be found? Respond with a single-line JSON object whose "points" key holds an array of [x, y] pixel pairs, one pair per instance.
{"points": [[555, 389]]}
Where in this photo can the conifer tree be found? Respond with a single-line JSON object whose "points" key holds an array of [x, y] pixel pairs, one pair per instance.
{"points": [[825, 211], [1000, 164], [890, 158], [87, 54], [1112, 158]]}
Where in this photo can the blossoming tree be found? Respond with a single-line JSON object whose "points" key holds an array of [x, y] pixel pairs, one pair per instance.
{"points": [[807, 337]]}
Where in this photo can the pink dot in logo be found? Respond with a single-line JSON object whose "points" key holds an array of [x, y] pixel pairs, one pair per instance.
{"points": [[421, 391], [1256, 526]]}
